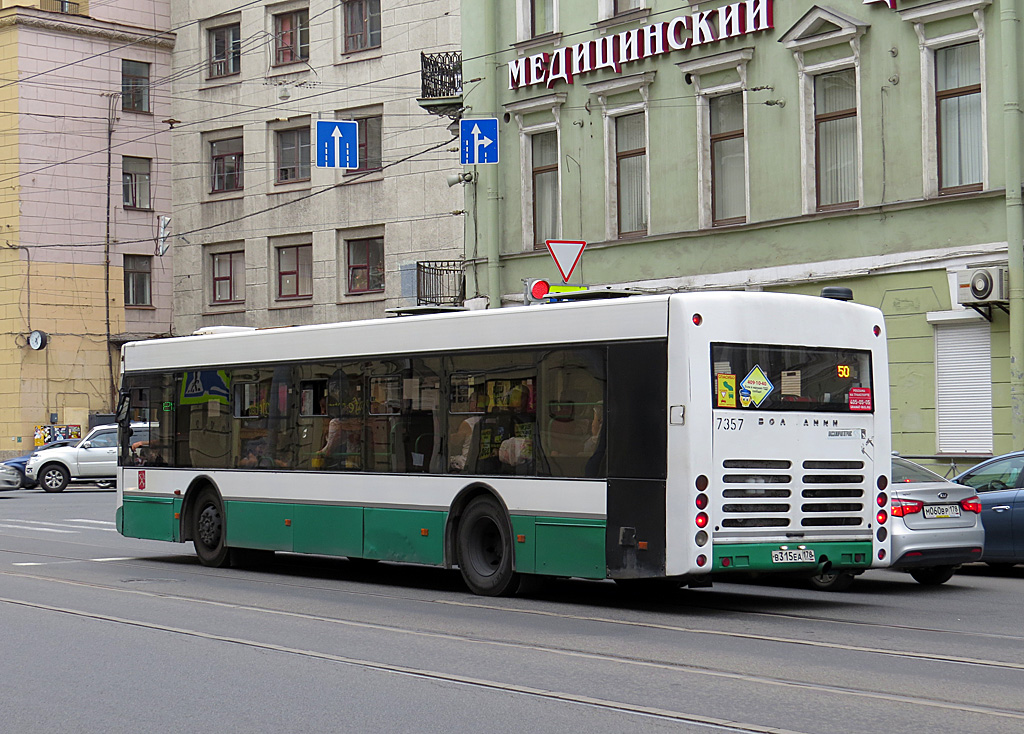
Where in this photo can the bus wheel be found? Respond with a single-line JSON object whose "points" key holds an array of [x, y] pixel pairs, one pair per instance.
{"points": [[832, 581], [485, 549], [208, 530]]}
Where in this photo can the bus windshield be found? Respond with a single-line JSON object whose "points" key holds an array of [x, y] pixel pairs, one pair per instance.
{"points": [[797, 378]]}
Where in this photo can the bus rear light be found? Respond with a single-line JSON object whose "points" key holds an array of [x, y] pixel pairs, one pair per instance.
{"points": [[972, 504], [881, 517], [701, 519], [877, 330], [882, 499], [641, 545], [701, 560], [883, 482], [701, 538], [902, 508], [701, 483], [701, 501], [881, 554], [882, 535], [698, 319], [726, 562]]}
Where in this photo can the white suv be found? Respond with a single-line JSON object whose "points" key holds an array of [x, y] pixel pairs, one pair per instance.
{"points": [[93, 459]]}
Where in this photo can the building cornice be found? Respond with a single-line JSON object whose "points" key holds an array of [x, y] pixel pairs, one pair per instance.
{"points": [[83, 26]]}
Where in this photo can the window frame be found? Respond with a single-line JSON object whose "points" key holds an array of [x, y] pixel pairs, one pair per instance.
{"points": [[286, 54], [239, 172], [138, 274], [135, 89], [232, 51], [826, 117], [363, 136], [363, 38], [299, 159], [721, 137], [947, 94], [623, 155], [300, 250], [540, 244], [130, 182], [352, 268], [230, 279]]}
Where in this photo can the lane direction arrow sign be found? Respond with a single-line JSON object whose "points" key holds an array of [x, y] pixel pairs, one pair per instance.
{"points": [[566, 254], [478, 140], [337, 144]]}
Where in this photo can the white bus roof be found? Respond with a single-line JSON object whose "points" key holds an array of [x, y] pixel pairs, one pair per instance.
{"points": [[622, 319]]}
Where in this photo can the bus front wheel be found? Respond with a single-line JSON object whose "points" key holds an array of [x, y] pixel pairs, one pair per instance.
{"points": [[208, 530], [485, 549]]}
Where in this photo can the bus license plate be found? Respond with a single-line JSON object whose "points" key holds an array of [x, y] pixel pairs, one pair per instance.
{"points": [[938, 512], [793, 556]]}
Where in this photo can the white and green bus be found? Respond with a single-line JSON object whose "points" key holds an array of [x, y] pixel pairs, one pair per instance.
{"points": [[650, 437]]}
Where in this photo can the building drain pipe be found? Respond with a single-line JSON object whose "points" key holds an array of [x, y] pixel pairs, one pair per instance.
{"points": [[1009, 22]]}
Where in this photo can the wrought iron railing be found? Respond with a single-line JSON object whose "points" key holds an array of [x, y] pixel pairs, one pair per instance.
{"points": [[440, 283], [62, 6], [441, 74]]}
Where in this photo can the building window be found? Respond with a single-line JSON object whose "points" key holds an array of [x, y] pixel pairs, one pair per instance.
{"points": [[631, 173], [295, 271], [362, 25], [138, 274], [624, 6], [545, 187], [226, 169], [370, 143], [963, 382], [728, 163], [228, 277], [542, 16], [835, 136], [958, 102], [291, 37], [135, 182], [134, 86], [293, 155], [366, 265], [225, 51]]}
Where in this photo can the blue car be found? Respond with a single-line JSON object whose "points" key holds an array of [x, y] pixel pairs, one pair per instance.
{"points": [[998, 483], [18, 463]]}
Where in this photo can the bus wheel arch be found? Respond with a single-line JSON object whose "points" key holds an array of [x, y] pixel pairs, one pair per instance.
{"points": [[204, 523], [455, 513], [484, 548]]}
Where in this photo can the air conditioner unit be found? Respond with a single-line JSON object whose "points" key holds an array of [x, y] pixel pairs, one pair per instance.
{"points": [[982, 285]]}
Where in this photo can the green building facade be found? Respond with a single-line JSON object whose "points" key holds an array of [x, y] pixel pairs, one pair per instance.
{"points": [[770, 145]]}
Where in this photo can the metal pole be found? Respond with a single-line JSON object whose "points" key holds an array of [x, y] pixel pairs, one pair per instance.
{"points": [[111, 117]]}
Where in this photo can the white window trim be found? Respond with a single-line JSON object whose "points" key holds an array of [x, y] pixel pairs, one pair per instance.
{"points": [[524, 9], [551, 103], [800, 39], [603, 90], [606, 9], [920, 17], [719, 62]]}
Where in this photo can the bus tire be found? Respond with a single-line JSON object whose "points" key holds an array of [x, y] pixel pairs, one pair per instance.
{"points": [[484, 544], [54, 478], [832, 581], [209, 530]]}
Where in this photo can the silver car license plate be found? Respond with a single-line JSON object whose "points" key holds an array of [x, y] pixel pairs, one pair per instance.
{"points": [[940, 512], [793, 556]]}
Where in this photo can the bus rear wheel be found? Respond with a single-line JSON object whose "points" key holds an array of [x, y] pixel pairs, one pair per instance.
{"points": [[208, 530], [484, 545]]}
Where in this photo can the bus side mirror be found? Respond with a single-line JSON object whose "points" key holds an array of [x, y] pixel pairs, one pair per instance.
{"points": [[123, 405]]}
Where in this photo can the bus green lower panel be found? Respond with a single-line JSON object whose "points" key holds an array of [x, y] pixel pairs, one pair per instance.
{"points": [[570, 548], [262, 525], [524, 546], [404, 535], [149, 517], [330, 530], [758, 556]]}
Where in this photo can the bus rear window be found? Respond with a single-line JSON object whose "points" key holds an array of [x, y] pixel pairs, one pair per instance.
{"points": [[773, 377]]}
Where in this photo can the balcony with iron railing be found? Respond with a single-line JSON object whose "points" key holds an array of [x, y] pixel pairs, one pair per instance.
{"points": [[440, 283], [441, 82], [64, 6]]}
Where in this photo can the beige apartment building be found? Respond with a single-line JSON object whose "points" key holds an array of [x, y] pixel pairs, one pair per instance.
{"points": [[84, 197], [263, 236]]}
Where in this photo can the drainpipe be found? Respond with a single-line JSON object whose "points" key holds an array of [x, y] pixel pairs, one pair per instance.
{"points": [[487, 186], [1009, 22], [111, 117]]}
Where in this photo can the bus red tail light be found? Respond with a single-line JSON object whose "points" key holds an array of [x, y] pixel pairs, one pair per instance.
{"points": [[882, 516], [902, 508], [701, 501], [701, 519], [881, 499], [701, 560], [971, 504], [698, 319]]}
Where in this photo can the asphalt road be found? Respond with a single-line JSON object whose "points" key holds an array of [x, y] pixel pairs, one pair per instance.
{"points": [[100, 633]]}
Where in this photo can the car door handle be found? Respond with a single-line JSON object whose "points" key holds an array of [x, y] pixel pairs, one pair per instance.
{"points": [[1001, 508]]}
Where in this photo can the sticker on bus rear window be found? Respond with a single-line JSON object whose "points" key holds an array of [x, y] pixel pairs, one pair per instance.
{"points": [[755, 387], [726, 391], [860, 398]]}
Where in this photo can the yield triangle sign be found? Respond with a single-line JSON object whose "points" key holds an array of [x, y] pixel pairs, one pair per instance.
{"points": [[566, 253]]}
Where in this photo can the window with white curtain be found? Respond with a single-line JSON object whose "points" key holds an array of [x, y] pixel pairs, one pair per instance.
{"points": [[631, 173], [545, 187], [835, 137], [728, 164], [542, 16], [958, 102]]}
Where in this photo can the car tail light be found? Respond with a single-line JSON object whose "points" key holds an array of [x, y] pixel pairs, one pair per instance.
{"points": [[902, 508], [971, 504]]}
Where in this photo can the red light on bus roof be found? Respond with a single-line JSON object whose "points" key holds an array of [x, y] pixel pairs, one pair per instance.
{"points": [[698, 319], [540, 288], [877, 330]]}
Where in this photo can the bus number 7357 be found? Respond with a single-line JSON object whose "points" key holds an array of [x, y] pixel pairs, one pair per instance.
{"points": [[729, 424]]}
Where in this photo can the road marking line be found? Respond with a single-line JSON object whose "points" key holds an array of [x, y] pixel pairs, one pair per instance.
{"points": [[41, 530], [61, 525], [98, 522]]}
